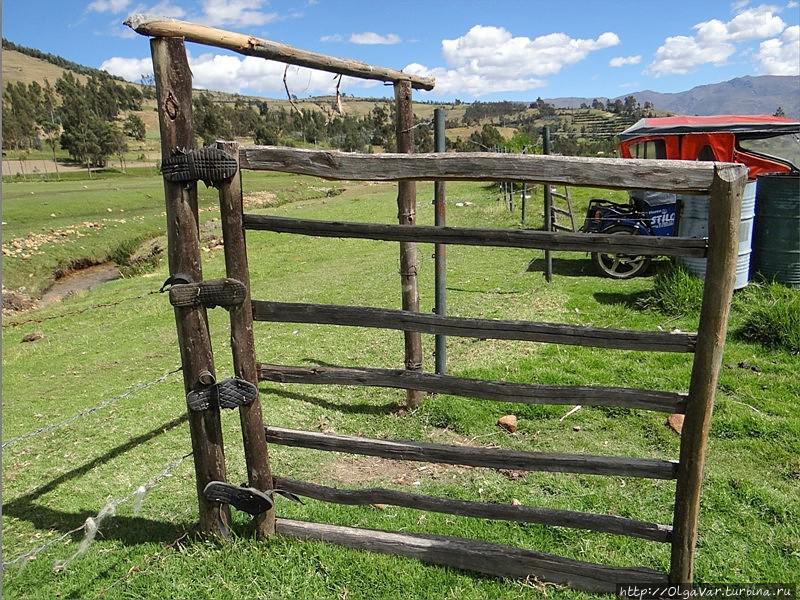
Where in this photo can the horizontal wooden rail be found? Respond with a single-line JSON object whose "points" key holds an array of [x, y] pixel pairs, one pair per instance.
{"points": [[474, 555], [253, 46], [617, 173], [492, 458], [505, 512], [365, 316], [669, 402], [469, 236]]}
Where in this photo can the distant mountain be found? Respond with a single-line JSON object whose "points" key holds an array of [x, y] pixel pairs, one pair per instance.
{"points": [[743, 95]]}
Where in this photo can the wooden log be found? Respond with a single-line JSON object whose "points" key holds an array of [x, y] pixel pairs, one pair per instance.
{"points": [[723, 232], [492, 458], [407, 216], [615, 173], [174, 101], [503, 391], [484, 510], [252, 46], [256, 454], [470, 236], [573, 335], [472, 555]]}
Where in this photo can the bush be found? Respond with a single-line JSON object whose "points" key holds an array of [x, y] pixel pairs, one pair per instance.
{"points": [[772, 316], [676, 292]]}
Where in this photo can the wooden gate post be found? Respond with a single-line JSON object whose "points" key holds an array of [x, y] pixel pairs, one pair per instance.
{"points": [[723, 239], [174, 98], [256, 456], [407, 215]]}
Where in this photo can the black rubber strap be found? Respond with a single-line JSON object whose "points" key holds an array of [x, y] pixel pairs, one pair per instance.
{"points": [[209, 165], [244, 498], [215, 292], [229, 393]]}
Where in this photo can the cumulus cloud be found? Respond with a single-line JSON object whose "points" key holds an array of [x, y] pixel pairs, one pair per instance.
{"points": [[111, 6], [131, 69], [490, 59], [236, 12], [621, 61], [781, 56], [714, 40], [336, 37], [370, 37]]}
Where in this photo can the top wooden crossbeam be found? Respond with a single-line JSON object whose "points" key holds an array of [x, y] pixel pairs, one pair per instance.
{"points": [[253, 46]]}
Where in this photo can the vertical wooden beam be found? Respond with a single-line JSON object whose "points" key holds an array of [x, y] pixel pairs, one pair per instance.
{"points": [[548, 209], [256, 455], [723, 238], [174, 97], [440, 250], [407, 215]]}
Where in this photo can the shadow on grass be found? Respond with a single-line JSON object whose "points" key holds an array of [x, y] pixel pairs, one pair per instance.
{"points": [[570, 267], [128, 530], [633, 300], [356, 409]]}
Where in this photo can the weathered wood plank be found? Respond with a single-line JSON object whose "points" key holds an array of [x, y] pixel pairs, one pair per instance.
{"points": [[484, 510], [503, 391], [256, 453], [252, 46], [365, 316], [473, 555], [617, 173], [723, 228], [492, 458], [174, 100], [471, 236]]}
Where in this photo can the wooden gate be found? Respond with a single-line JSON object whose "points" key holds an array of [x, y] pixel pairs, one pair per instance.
{"points": [[724, 183]]}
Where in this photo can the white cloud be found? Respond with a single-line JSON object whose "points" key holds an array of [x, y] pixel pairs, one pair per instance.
{"points": [[112, 6], [714, 40], [738, 5], [370, 37], [781, 56], [131, 69], [621, 61], [165, 8], [792, 4], [336, 37], [490, 59], [236, 12]]}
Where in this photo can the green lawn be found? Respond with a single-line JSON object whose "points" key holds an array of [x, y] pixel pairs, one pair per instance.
{"points": [[750, 526]]}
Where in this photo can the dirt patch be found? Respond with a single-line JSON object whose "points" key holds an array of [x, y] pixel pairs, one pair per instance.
{"points": [[74, 280], [371, 469], [260, 200], [16, 301]]}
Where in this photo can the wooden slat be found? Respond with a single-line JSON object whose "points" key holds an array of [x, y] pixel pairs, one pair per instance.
{"points": [[492, 458], [252, 46], [506, 512], [471, 236], [473, 555], [364, 316], [617, 173], [669, 402]]}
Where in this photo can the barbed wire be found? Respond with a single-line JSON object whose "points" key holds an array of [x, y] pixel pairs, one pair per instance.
{"points": [[92, 524], [104, 404]]}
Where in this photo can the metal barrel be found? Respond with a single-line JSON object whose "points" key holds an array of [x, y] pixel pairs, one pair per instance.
{"points": [[693, 223], [777, 234]]}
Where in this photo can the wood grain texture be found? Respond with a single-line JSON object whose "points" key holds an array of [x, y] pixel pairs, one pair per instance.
{"points": [[492, 458], [505, 512], [252, 46], [723, 232], [574, 335], [472, 555], [525, 393], [471, 236], [616, 173], [174, 97], [256, 454]]}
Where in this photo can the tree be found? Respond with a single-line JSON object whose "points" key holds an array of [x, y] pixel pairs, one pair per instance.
{"points": [[779, 112], [134, 127]]}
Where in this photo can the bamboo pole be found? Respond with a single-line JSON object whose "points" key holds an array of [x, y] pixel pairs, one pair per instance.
{"points": [[407, 215], [174, 101], [256, 455], [723, 234]]}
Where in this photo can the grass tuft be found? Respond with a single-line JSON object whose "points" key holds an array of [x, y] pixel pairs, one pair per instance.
{"points": [[676, 291], [772, 316]]}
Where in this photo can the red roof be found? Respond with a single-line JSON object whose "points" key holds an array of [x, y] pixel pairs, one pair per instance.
{"points": [[714, 123]]}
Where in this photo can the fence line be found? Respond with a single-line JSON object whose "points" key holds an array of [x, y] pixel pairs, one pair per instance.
{"points": [[104, 404]]}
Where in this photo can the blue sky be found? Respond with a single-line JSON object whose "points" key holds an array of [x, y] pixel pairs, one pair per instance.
{"points": [[475, 49]]}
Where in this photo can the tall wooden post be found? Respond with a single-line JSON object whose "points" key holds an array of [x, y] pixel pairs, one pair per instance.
{"points": [[256, 456], [174, 97], [407, 215], [548, 209], [440, 250], [723, 238]]}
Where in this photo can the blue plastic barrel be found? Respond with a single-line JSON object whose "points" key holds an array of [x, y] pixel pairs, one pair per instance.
{"points": [[693, 223], [777, 234]]}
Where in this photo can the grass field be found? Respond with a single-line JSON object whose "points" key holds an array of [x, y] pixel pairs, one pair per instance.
{"points": [[750, 525]]}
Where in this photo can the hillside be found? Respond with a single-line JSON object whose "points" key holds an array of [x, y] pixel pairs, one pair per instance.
{"points": [[743, 95], [24, 68]]}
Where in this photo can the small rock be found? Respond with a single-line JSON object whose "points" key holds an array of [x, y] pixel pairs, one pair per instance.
{"points": [[379, 506], [576, 428], [675, 422], [32, 337], [52, 214], [515, 502], [459, 204], [508, 422], [747, 365]]}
